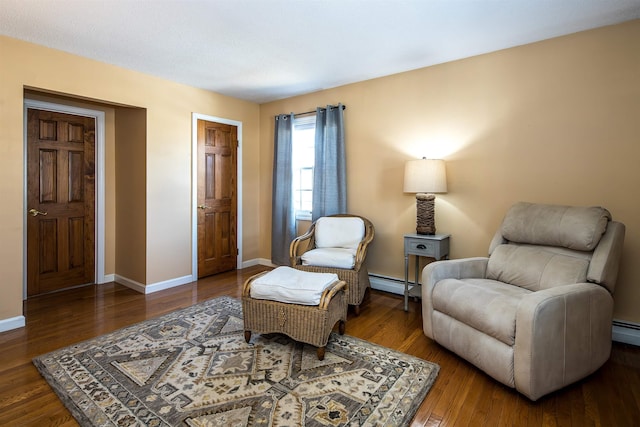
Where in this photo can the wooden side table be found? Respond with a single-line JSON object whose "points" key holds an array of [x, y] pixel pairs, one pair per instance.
{"points": [[427, 245]]}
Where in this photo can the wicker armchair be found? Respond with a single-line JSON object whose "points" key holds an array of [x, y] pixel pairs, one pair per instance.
{"points": [[357, 277]]}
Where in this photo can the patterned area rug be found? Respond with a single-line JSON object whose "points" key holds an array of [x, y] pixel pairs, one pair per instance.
{"points": [[193, 367]]}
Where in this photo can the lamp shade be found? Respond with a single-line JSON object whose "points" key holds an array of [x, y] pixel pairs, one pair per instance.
{"points": [[425, 176]]}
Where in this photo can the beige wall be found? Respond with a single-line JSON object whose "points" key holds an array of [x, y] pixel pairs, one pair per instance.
{"points": [[554, 122], [167, 199], [130, 189]]}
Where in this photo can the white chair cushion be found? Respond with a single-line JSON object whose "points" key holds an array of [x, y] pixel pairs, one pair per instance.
{"points": [[330, 257], [339, 232], [285, 284]]}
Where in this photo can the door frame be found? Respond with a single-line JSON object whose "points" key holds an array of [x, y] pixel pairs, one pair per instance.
{"points": [[99, 116], [194, 188]]}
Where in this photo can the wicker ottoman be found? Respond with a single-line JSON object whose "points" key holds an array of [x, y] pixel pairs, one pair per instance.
{"points": [[310, 324]]}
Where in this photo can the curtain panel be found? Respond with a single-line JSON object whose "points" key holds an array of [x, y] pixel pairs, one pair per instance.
{"points": [[283, 222], [330, 170]]}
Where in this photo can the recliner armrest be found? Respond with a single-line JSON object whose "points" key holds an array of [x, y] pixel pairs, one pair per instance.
{"points": [[464, 268], [562, 334], [603, 267]]}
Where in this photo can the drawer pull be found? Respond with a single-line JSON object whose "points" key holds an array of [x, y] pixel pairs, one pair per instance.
{"points": [[421, 246]]}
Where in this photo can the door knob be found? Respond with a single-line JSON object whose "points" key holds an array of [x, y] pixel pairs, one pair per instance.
{"points": [[203, 207], [35, 212]]}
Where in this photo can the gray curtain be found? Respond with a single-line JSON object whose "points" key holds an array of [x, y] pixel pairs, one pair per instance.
{"points": [[330, 176], [283, 222]]}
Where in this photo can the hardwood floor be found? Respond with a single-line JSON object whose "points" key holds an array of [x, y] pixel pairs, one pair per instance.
{"points": [[461, 395]]}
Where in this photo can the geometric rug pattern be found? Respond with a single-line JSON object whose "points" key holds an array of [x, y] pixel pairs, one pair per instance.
{"points": [[193, 368]]}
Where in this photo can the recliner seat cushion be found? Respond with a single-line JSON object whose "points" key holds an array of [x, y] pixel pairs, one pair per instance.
{"points": [[535, 268], [486, 305], [572, 227]]}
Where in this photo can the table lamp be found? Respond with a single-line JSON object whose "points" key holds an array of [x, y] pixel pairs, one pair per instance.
{"points": [[425, 177]]}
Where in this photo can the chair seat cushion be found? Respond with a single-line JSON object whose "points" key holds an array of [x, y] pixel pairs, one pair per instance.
{"points": [[285, 284], [330, 257], [486, 305]]}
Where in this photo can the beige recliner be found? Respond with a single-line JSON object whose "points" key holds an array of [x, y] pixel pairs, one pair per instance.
{"points": [[536, 314]]}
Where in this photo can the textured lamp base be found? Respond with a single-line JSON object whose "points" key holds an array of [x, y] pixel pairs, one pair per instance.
{"points": [[425, 223]]}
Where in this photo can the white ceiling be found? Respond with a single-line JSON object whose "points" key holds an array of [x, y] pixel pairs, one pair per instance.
{"points": [[263, 50]]}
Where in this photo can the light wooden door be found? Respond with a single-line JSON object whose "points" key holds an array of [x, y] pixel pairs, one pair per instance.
{"points": [[60, 201], [217, 197]]}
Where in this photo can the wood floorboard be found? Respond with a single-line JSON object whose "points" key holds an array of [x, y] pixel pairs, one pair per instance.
{"points": [[490, 406], [461, 395]]}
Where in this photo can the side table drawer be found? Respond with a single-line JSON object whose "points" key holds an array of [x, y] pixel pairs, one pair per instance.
{"points": [[421, 247], [428, 248]]}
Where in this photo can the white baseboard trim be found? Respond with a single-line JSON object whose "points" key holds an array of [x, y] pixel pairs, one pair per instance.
{"points": [[153, 287], [136, 286], [12, 323], [626, 332], [387, 284], [167, 284], [108, 278], [257, 261]]}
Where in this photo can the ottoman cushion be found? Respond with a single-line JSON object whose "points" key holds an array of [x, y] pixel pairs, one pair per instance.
{"points": [[285, 284]]}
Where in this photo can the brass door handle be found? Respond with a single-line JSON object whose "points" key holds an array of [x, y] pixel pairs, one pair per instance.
{"points": [[35, 212], [203, 207]]}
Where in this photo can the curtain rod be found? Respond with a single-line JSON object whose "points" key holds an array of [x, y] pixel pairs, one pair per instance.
{"points": [[344, 107]]}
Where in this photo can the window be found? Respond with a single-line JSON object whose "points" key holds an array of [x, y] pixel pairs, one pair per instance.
{"points": [[303, 155]]}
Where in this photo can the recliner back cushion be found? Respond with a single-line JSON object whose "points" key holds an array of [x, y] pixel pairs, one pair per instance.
{"points": [[339, 232], [578, 228], [535, 268]]}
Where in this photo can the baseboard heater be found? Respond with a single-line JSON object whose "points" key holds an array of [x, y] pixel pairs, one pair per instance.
{"points": [[626, 332]]}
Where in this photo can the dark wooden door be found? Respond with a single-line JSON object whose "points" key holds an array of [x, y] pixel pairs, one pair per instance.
{"points": [[217, 197], [60, 201]]}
